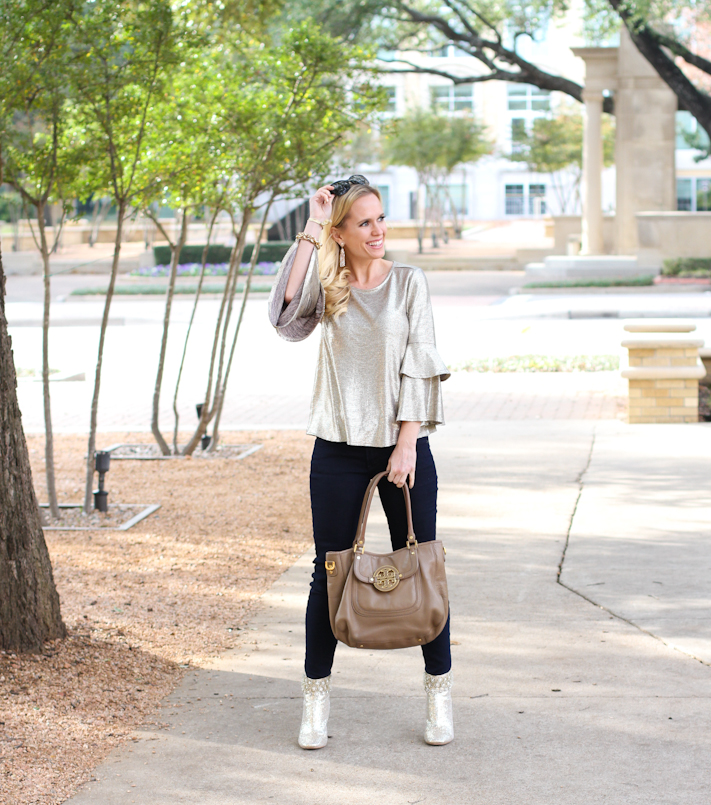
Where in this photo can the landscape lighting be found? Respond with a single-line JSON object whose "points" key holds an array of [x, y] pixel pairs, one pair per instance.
{"points": [[102, 461]]}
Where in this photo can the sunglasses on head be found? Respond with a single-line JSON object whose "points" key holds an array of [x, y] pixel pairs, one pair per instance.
{"points": [[342, 186]]}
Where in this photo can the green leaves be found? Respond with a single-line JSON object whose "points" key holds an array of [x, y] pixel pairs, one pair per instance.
{"points": [[150, 102], [434, 143], [555, 143]]}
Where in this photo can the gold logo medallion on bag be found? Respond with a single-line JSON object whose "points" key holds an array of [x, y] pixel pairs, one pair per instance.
{"points": [[386, 578]]}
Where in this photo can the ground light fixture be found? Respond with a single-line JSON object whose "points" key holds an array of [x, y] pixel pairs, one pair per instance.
{"points": [[205, 441], [102, 462]]}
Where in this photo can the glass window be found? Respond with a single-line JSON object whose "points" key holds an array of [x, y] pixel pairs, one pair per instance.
{"points": [[540, 99], [683, 195], [703, 195], [453, 98], [458, 198], [391, 106], [536, 199], [518, 132], [525, 96], [463, 97], [688, 132], [440, 96], [385, 194], [518, 129], [514, 199]]}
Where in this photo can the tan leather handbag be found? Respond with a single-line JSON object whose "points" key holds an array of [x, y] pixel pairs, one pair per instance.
{"points": [[391, 600]]}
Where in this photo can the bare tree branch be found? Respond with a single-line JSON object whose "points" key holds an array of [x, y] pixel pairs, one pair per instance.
{"points": [[689, 97], [490, 52]]}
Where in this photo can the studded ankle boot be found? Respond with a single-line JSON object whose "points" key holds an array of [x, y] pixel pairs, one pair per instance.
{"points": [[439, 729], [314, 719]]}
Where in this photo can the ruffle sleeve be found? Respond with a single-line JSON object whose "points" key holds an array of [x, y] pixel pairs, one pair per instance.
{"points": [[298, 319], [423, 360], [422, 369]]}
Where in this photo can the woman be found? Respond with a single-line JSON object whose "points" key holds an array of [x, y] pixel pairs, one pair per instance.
{"points": [[376, 398]]}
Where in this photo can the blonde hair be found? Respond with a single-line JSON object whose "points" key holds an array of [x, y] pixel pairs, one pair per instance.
{"points": [[334, 278]]}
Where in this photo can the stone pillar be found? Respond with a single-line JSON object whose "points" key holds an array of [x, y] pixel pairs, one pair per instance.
{"points": [[645, 115], [592, 240], [663, 374]]}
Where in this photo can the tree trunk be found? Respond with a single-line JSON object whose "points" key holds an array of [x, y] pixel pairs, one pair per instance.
{"points": [[220, 399], [91, 448], [29, 604], [174, 259], [219, 341], [48, 437], [190, 327], [649, 43]]}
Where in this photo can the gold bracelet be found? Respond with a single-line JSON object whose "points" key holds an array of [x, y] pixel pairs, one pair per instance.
{"points": [[310, 238], [320, 223]]}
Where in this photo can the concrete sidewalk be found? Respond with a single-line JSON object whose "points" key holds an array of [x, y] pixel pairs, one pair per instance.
{"points": [[557, 700]]}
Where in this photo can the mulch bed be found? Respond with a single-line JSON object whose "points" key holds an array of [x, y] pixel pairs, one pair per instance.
{"points": [[144, 605]]}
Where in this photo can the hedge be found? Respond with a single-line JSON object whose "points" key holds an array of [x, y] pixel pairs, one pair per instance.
{"points": [[687, 267], [270, 252]]}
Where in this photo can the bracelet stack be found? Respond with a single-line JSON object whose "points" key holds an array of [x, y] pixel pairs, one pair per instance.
{"points": [[310, 238]]}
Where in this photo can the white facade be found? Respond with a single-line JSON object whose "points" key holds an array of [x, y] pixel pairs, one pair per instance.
{"points": [[495, 187]]}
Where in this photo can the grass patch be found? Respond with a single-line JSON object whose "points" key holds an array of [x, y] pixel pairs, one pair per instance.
{"points": [[20, 372], [692, 267], [541, 363], [622, 283], [160, 290]]}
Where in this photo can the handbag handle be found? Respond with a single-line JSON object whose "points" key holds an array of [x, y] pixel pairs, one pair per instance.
{"points": [[359, 540]]}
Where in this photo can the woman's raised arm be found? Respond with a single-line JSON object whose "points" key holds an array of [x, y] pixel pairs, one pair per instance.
{"points": [[319, 208]]}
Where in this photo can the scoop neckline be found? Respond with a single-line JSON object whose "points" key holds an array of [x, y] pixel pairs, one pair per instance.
{"points": [[379, 285]]}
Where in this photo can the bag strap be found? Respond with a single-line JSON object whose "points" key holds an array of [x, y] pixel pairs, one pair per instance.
{"points": [[359, 541]]}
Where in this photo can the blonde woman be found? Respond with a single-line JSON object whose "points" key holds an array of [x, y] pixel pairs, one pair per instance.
{"points": [[376, 399]]}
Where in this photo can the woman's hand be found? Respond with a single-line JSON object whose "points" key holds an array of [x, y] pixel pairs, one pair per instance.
{"points": [[321, 203], [404, 457]]}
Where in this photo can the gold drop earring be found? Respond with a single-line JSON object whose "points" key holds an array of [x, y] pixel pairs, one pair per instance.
{"points": [[342, 257]]}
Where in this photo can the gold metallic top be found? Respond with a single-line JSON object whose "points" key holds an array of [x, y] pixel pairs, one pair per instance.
{"points": [[378, 364]]}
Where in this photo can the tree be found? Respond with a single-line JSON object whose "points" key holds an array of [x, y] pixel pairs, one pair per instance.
{"points": [[488, 32], [434, 145], [29, 604], [38, 164], [651, 28], [463, 141], [194, 168], [662, 30], [554, 145], [285, 106], [123, 53]]}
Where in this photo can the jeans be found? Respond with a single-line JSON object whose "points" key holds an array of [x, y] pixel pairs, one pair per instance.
{"points": [[340, 474]]}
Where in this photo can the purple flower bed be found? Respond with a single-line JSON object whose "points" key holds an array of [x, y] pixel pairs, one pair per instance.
{"points": [[264, 269]]}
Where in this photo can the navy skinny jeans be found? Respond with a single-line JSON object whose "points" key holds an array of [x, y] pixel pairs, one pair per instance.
{"points": [[340, 474]]}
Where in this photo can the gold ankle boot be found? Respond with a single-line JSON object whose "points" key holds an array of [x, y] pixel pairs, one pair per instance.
{"points": [[314, 719], [439, 729]]}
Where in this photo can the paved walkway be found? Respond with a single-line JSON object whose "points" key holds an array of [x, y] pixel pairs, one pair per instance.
{"points": [[558, 700], [271, 379]]}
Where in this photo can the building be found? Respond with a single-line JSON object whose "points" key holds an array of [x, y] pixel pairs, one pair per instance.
{"points": [[496, 187]]}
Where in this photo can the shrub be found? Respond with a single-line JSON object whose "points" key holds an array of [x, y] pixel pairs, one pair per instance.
{"points": [[687, 267], [269, 252]]}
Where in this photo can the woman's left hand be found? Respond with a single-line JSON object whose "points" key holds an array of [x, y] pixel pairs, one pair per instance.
{"points": [[404, 457]]}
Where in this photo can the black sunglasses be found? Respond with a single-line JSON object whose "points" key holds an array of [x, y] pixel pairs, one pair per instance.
{"points": [[342, 186]]}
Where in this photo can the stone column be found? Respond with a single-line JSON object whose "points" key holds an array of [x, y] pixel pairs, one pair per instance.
{"points": [[645, 116], [592, 240]]}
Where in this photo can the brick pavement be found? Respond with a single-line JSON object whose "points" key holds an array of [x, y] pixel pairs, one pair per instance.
{"points": [[467, 398]]}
